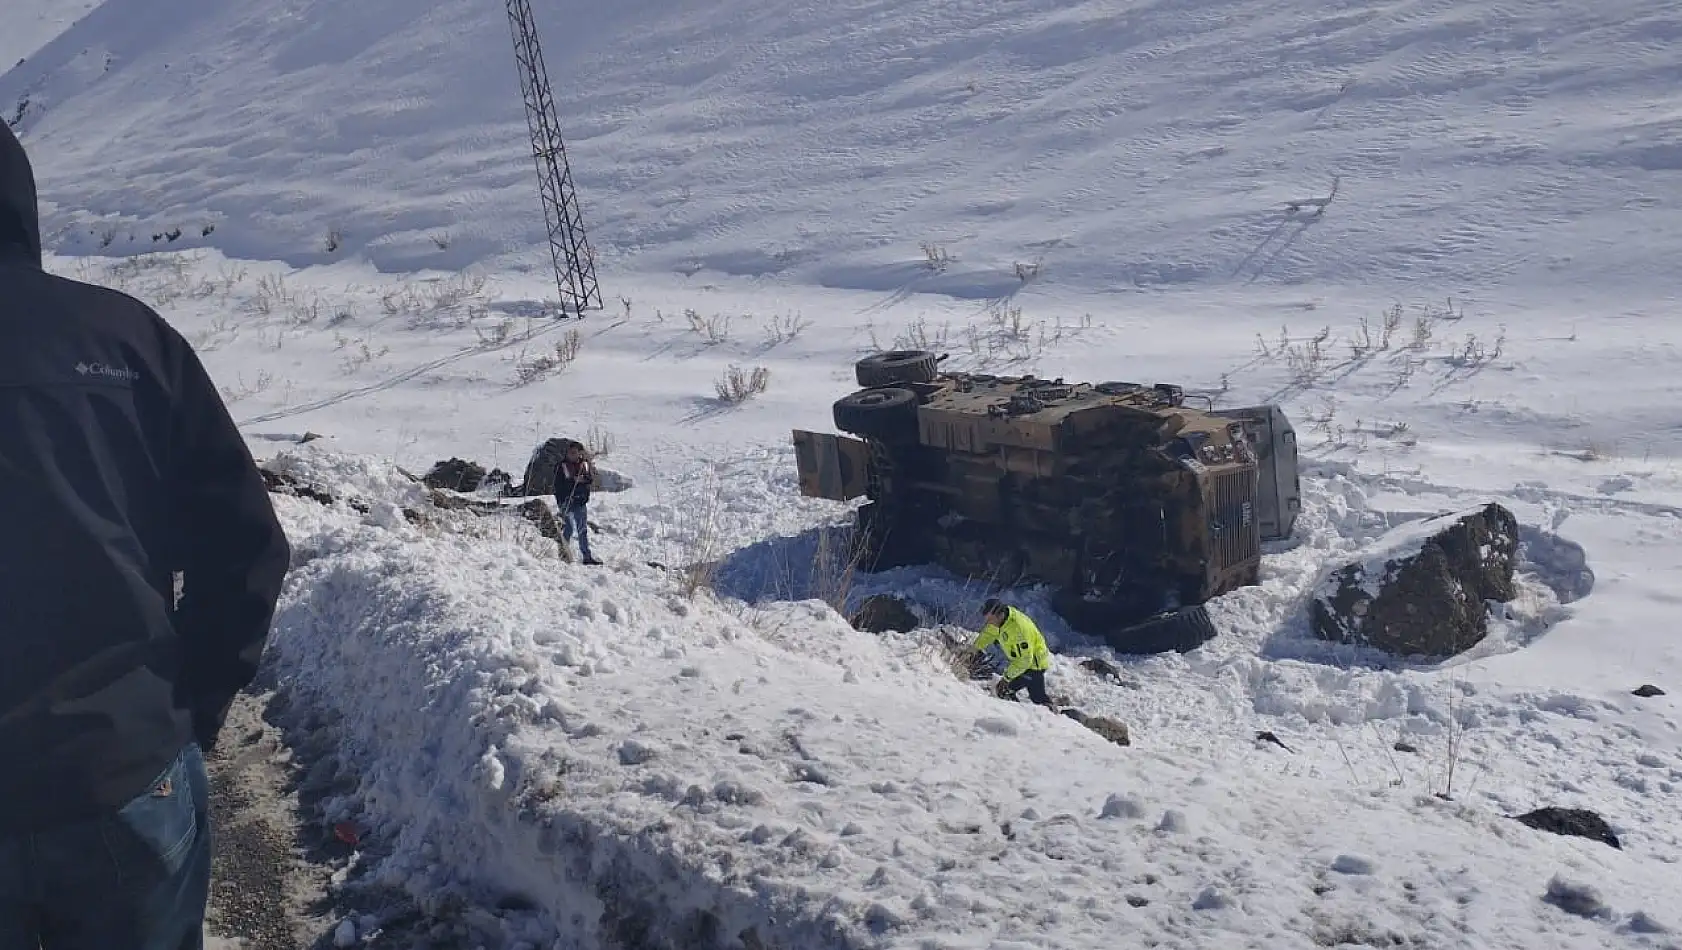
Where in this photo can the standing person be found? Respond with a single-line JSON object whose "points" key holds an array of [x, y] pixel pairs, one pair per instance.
{"points": [[573, 480], [1024, 648], [119, 467]]}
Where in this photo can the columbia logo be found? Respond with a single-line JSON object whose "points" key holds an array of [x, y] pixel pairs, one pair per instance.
{"points": [[109, 372]]}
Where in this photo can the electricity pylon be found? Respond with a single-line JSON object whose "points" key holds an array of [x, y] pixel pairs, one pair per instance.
{"points": [[575, 263]]}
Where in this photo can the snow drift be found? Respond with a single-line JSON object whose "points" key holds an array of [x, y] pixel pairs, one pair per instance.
{"points": [[637, 768]]}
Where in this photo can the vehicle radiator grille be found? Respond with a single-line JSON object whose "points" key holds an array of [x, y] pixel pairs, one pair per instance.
{"points": [[1234, 532]]}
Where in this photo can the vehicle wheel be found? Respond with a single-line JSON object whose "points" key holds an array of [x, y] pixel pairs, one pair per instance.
{"points": [[897, 366], [1178, 631], [887, 414]]}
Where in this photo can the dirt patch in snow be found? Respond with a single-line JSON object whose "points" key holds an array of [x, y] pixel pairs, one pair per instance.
{"points": [[265, 892], [282, 879]]}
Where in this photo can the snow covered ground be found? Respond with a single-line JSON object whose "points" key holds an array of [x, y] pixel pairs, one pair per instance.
{"points": [[1485, 310]]}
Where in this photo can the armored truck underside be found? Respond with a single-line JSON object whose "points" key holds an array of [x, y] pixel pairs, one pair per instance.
{"points": [[1119, 496]]}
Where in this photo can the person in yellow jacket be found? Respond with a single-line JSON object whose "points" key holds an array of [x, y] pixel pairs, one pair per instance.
{"points": [[1024, 648]]}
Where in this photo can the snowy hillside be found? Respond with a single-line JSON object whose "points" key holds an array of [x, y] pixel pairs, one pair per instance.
{"points": [[1120, 145], [31, 24], [461, 672], [1486, 309], [699, 775]]}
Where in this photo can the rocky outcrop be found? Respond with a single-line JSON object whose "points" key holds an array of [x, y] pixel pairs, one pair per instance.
{"points": [[456, 475], [534, 511], [882, 613], [1579, 822], [1421, 589], [1112, 729], [283, 483]]}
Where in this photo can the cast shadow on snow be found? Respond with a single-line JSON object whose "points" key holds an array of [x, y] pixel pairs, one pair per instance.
{"points": [[903, 280], [1545, 560], [814, 565]]}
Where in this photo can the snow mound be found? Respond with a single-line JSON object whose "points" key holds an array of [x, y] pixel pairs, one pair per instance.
{"points": [[637, 767]]}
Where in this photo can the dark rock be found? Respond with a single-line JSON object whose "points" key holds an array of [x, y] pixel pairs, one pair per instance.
{"points": [[280, 483], [1112, 729], [456, 475], [1420, 590], [1402, 746], [1648, 691], [543, 517], [1101, 667], [540, 471], [1265, 736], [499, 481], [1579, 822], [884, 612]]}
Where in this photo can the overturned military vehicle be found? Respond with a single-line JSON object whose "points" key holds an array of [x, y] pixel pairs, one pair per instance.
{"points": [[1133, 506]]}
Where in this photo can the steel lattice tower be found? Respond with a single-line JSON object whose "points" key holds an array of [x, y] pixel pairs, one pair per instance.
{"points": [[575, 263]]}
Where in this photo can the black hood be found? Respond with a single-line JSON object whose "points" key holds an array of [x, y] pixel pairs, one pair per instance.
{"points": [[20, 224]]}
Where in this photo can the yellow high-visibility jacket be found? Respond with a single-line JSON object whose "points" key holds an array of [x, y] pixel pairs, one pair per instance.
{"points": [[1022, 642]]}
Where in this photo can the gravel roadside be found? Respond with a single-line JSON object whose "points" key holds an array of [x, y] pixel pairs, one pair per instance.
{"points": [[265, 893]]}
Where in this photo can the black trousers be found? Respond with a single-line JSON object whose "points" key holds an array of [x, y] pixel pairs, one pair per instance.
{"points": [[1033, 681]]}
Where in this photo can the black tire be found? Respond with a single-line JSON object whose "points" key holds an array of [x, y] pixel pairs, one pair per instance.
{"points": [[1178, 631], [888, 414], [897, 366]]}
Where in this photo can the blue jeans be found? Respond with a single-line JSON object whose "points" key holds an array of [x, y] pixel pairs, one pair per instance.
{"points": [[574, 520], [137, 879]]}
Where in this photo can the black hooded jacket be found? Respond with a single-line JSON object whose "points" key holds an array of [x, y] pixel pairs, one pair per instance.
{"points": [[119, 468]]}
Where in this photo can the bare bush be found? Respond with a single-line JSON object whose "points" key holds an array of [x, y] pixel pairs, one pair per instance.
{"points": [[700, 538], [272, 292], [1007, 337], [425, 300], [917, 335], [305, 312], [935, 257], [784, 328], [357, 352], [1476, 354], [836, 567], [737, 386], [243, 390], [1306, 360], [712, 330], [529, 369], [599, 442]]}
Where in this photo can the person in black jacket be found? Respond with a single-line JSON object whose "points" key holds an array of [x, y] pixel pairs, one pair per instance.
{"points": [[121, 472], [574, 478]]}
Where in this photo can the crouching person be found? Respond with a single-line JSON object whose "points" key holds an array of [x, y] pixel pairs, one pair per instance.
{"points": [[1024, 648]]}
